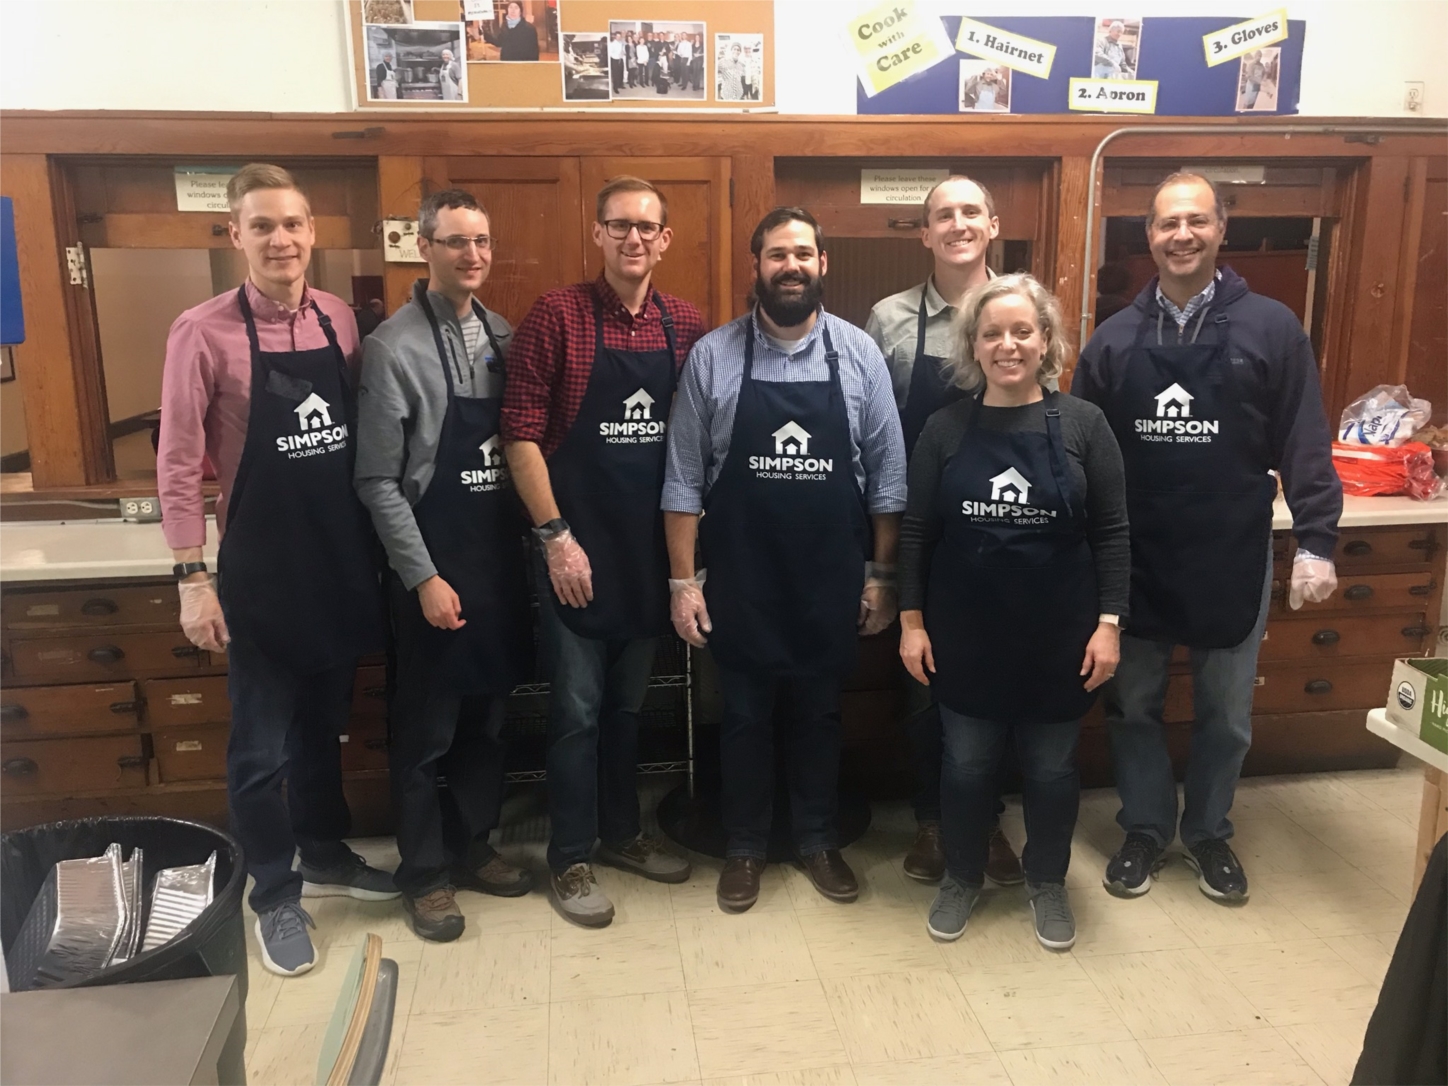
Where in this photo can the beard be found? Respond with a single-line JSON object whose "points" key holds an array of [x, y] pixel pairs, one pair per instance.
{"points": [[789, 310]]}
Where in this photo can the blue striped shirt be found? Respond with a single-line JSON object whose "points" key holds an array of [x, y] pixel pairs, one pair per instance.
{"points": [[702, 421], [1193, 306]]}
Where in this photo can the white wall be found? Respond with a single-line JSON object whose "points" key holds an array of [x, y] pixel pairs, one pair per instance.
{"points": [[291, 55]]}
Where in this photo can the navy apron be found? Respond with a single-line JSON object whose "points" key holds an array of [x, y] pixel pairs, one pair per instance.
{"points": [[297, 568], [472, 523], [607, 477], [1199, 502], [784, 532], [1012, 598], [929, 391]]}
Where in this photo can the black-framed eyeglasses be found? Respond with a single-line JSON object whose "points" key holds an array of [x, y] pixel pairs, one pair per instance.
{"points": [[458, 243], [619, 229]]}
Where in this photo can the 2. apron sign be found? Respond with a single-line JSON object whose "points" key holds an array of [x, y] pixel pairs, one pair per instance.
{"points": [[929, 391]]}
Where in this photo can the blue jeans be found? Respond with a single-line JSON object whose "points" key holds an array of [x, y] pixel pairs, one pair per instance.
{"points": [[1222, 685], [747, 766], [288, 727], [598, 688], [922, 725], [1050, 793]]}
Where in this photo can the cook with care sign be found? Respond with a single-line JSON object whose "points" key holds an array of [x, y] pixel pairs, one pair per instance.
{"points": [[1208, 387], [430, 468], [590, 381], [786, 438], [260, 381]]}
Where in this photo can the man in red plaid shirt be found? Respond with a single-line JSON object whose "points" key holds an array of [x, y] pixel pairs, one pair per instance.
{"points": [[591, 378]]}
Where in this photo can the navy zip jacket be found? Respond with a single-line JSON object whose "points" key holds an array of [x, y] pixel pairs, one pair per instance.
{"points": [[1274, 367]]}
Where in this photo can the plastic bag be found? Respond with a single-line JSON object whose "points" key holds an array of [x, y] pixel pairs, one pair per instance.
{"points": [[1385, 415], [1372, 470]]}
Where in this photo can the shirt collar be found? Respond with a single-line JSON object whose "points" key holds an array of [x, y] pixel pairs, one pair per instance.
{"points": [[801, 347], [611, 301], [1182, 315], [934, 302], [264, 309]]}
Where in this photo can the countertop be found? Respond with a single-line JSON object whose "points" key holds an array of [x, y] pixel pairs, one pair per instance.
{"points": [[92, 550]]}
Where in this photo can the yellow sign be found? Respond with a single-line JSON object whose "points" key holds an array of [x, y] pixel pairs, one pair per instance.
{"points": [[1113, 95], [1241, 38], [1013, 50], [895, 41]]}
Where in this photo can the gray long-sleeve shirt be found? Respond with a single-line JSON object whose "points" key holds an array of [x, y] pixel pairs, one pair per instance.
{"points": [[401, 402]]}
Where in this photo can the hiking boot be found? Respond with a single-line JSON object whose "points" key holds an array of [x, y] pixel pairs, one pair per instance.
{"points": [[925, 861], [1002, 865], [580, 899], [1130, 871], [648, 857], [435, 916], [739, 883], [1219, 874], [350, 878], [1055, 924], [286, 948], [951, 909], [831, 875], [497, 877]]}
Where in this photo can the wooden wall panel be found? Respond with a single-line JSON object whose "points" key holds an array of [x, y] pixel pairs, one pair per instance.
{"points": [[864, 270], [754, 196], [1425, 352], [1073, 182]]}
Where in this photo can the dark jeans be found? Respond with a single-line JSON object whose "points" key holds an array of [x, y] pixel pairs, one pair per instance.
{"points": [[286, 726], [615, 71], [746, 756], [434, 732], [598, 688], [1050, 793], [927, 749]]}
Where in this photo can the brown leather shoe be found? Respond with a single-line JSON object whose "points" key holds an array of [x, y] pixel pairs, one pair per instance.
{"points": [[497, 877], [1002, 866], [739, 883], [435, 916], [926, 859], [831, 876]]}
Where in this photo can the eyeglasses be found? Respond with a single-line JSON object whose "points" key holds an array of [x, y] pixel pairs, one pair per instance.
{"points": [[459, 243], [619, 229]]}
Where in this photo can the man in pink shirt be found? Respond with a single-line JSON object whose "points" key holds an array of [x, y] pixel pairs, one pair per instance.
{"points": [[261, 380]]}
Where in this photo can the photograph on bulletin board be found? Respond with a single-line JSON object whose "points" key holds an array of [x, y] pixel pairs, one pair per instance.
{"points": [[738, 67], [511, 31], [1257, 80], [585, 67], [1116, 52], [416, 62], [675, 65], [985, 87]]}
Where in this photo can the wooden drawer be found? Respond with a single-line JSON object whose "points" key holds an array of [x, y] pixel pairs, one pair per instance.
{"points": [[1366, 549], [1322, 686], [364, 744], [369, 692], [44, 766], [1329, 636], [196, 753], [1364, 592], [101, 655], [173, 702], [49, 609], [31, 712]]}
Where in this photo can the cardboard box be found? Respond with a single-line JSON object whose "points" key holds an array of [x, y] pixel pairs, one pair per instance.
{"points": [[1418, 699]]}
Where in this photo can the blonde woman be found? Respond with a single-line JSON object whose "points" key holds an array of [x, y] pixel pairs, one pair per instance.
{"points": [[1014, 576]]}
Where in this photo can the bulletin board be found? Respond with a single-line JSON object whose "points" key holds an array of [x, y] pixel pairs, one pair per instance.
{"points": [[572, 71]]}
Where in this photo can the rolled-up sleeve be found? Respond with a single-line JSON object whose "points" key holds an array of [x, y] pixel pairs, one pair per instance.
{"points": [[187, 389], [535, 359], [882, 445], [689, 443]]}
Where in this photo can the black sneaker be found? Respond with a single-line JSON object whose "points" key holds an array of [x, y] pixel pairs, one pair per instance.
{"points": [[351, 877], [1219, 874], [1129, 872]]}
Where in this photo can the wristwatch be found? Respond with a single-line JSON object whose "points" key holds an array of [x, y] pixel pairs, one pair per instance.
{"points": [[182, 570], [549, 529]]}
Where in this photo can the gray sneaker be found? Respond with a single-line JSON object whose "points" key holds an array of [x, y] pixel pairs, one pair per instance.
{"points": [[951, 909], [1055, 924], [648, 857], [286, 948], [580, 899], [351, 877]]}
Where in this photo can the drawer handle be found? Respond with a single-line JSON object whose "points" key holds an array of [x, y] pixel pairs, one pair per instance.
{"points": [[131, 761], [1318, 686], [13, 712], [99, 606], [120, 708], [1420, 544], [376, 744], [1359, 592], [903, 224], [19, 767], [181, 652], [1420, 589], [374, 691], [1357, 548], [1326, 637], [105, 654], [1416, 632]]}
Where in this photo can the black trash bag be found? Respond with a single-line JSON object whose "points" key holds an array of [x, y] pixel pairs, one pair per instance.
{"points": [[215, 945]]}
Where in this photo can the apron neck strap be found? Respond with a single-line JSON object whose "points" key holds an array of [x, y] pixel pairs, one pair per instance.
{"points": [[1056, 448], [832, 356], [443, 353], [244, 304], [482, 315], [920, 322]]}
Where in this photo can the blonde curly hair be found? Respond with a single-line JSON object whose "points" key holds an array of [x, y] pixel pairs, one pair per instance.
{"points": [[964, 372]]}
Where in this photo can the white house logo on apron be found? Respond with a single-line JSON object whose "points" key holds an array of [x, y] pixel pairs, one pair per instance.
{"points": [[318, 435], [791, 459], [638, 427], [1010, 494], [1174, 420], [492, 477]]}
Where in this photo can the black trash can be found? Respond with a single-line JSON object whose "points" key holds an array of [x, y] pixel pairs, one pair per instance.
{"points": [[215, 945]]}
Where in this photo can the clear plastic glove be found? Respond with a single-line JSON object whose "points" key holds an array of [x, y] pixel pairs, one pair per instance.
{"points": [[1313, 580], [201, 617], [688, 611], [915, 650], [569, 570], [880, 602], [440, 604]]}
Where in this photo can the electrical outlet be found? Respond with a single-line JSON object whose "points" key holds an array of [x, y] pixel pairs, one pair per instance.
{"points": [[1413, 97], [140, 510]]}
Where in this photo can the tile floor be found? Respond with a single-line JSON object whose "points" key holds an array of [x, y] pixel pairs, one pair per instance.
{"points": [[1169, 988]]}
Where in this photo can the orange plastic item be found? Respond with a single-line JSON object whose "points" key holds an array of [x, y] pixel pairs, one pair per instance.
{"points": [[1372, 470]]}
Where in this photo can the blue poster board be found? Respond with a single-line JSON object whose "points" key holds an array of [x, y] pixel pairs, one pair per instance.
{"points": [[1171, 53], [12, 316]]}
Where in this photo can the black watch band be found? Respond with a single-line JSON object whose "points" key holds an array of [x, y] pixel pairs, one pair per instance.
{"points": [[182, 570], [549, 529]]}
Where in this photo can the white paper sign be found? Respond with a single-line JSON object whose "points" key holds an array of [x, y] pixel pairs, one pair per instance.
{"points": [[898, 186], [1013, 50], [478, 9], [1113, 95], [399, 241], [202, 188], [1241, 38]]}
